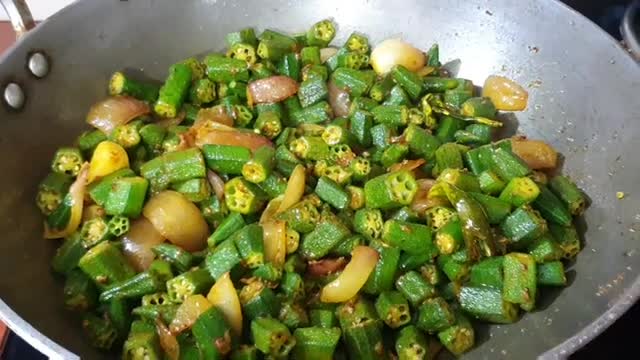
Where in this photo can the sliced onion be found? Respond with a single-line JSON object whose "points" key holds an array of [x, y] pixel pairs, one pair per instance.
{"points": [[250, 140], [326, 53], [271, 90], [224, 296], [166, 123], [339, 100], [108, 157], [217, 114], [168, 341], [537, 154], [217, 184], [114, 111], [295, 188], [325, 267], [505, 93], [352, 278], [188, 312], [392, 52], [75, 199], [409, 165], [275, 241], [177, 219], [421, 201], [138, 242]]}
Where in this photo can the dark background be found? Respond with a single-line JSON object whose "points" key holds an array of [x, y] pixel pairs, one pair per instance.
{"points": [[616, 342]]}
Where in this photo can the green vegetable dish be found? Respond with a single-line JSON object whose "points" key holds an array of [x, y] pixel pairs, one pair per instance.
{"points": [[290, 199]]}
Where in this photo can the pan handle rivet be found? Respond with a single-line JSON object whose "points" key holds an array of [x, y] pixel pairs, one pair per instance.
{"points": [[38, 65], [14, 96]]}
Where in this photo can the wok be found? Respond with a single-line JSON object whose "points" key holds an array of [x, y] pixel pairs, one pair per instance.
{"points": [[583, 87]]}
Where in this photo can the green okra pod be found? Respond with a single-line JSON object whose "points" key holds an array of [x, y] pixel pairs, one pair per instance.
{"points": [[316, 343], [458, 338], [232, 223], [569, 194], [409, 237], [272, 337], [551, 274], [106, 265], [435, 315], [415, 288], [224, 258], [212, 334], [249, 243], [392, 307], [523, 226], [486, 303], [390, 190], [174, 91], [329, 232], [520, 280], [224, 70], [67, 160], [332, 193], [196, 281], [411, 344], [68, 255], [80, 293]]}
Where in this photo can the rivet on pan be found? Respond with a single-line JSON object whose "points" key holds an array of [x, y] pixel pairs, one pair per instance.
{"points": [[14, 96], [38, 65]]}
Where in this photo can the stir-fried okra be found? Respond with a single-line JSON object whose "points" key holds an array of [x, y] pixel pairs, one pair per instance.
{"points": [[289, 198]]}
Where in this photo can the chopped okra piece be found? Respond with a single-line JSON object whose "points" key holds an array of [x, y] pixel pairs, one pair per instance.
{"points": [[520, 280], [243, 197], [569, 193], [67, 160], [193, 282], [316, 342], [258, 300], [411, 344], [118, 225], [458, 338], [390, 190], [393, 309], [94, 231], [272, 337], [51, 191]]}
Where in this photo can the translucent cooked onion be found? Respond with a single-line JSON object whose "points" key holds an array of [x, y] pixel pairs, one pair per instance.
{"points": [[295, 188], [250, 140], [188, 312], [217, 184], [116, 110], [271, 90], [177, 219], [352, 278], [392, 52], [537, 154], [217, 114], [339, 100], [138, 242], [505, 93], [168, 341], [224, 296]]}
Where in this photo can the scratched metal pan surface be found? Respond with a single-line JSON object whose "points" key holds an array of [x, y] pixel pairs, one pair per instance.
{"points": [[583, 100]]}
